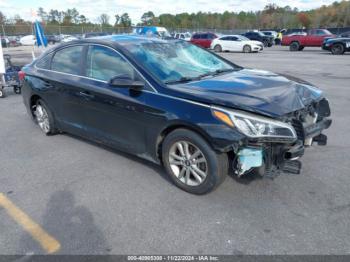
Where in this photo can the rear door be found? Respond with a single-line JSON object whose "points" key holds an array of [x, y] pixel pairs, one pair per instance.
{"points": [[66, 79]]}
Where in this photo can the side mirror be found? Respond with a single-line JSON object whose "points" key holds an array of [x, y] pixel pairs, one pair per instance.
{"points": [[125, 81]]}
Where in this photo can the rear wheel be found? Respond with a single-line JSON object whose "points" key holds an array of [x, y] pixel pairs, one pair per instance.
{"points": [[266, 43], [44, 118], [191, 163], [2, 93], [218, 48], [337, 49], [294, 46], [247, 49]]}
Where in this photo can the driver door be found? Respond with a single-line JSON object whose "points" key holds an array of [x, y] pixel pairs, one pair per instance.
{"points": [[113, 115]]}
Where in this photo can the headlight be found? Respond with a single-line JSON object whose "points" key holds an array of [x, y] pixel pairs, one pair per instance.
{"points": [[255, 126]]}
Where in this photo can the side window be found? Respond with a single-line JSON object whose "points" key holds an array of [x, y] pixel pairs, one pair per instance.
{"points": [[44, 63], [104, 63], [67, 60], [233, 38], [196, 36], [320, 32], [225, 38]]}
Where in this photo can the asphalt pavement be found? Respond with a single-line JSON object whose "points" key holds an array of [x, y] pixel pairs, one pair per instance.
{"points": [[94, 200]]}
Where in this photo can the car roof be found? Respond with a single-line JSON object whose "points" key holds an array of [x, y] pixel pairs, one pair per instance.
{"points": [[117, 40]]}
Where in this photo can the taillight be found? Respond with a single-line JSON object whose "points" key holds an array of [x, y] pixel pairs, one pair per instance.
{"points": [[21, 75]]}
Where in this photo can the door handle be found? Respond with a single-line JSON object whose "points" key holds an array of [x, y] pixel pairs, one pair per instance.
{"points": [[86, 95]]}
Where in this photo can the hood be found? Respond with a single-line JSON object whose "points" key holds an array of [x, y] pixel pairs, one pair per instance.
{"points": [[252, 90]]}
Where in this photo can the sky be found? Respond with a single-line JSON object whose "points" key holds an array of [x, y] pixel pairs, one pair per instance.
{"points": [[93, 8]]}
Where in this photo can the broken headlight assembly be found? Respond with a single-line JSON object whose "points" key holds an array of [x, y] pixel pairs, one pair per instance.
{"points": [[255, 126]]}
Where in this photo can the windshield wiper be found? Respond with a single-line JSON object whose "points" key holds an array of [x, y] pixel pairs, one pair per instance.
{"points": [[220, 71], [183, 79]]}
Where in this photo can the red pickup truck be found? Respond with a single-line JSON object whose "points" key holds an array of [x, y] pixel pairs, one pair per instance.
{"points": [[314, 37]]}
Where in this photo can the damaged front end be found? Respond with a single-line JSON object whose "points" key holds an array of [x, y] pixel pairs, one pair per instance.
{"points": [[273, 146]]}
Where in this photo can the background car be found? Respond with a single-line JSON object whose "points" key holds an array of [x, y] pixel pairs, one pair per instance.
{"points": [[53, 39], [314, 37], [346, 34], [5, 41], [68, 38], [28, 40], [94, 34], [236, 43], [203, 39], [184, 36], [337, 46], [259, 36]]}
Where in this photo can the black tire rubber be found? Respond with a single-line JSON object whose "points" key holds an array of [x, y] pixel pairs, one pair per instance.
{"points": [[266, 43], [218, 48], [301, 48], [2, 93], [17, 90], [338, 49], [247, 49], [270, 44], [217, 163], [294, 46], [53, 129]]}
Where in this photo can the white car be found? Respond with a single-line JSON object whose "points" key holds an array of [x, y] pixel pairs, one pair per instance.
{"points": [[28, 40], [184, 36], [236, 43], [68, 38]]}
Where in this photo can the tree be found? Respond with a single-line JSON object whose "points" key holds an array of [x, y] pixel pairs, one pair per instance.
{"points": [[103, 19], [148, 18], [2, 18], [42, 14], [304, 19]]}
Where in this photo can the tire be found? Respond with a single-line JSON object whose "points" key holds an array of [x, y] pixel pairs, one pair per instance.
{"points": [[247, 49], [44, 118], [2, 93], [211, 167], [294, 46], [301, 48], [269, 44], [218, 48], [17, 90], [266, 43], [338, 49]]}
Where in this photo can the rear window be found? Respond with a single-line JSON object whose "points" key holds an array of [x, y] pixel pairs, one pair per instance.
{"points": [[68, 60]]}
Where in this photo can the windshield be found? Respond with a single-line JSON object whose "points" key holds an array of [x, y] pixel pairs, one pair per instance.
{"points": [[243, 38], [178, 61]]}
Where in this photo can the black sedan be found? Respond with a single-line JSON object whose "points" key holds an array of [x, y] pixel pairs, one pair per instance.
{"points": [[267, 40], [338, 46], [176, 104]]}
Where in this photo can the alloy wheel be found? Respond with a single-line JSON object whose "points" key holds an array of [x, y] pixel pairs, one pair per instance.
{"points": [[42, 118], [188, 163]]}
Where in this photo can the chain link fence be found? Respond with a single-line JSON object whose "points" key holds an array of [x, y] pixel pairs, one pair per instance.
{"points": [[21, 30]]}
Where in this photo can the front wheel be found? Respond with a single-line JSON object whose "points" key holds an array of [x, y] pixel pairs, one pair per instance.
{"points": [[337, 49], [191, 163], [247, 49], [44, 118], [2, 93]]}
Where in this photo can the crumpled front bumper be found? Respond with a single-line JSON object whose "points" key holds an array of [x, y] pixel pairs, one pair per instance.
{"points": [[271, 158]]}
